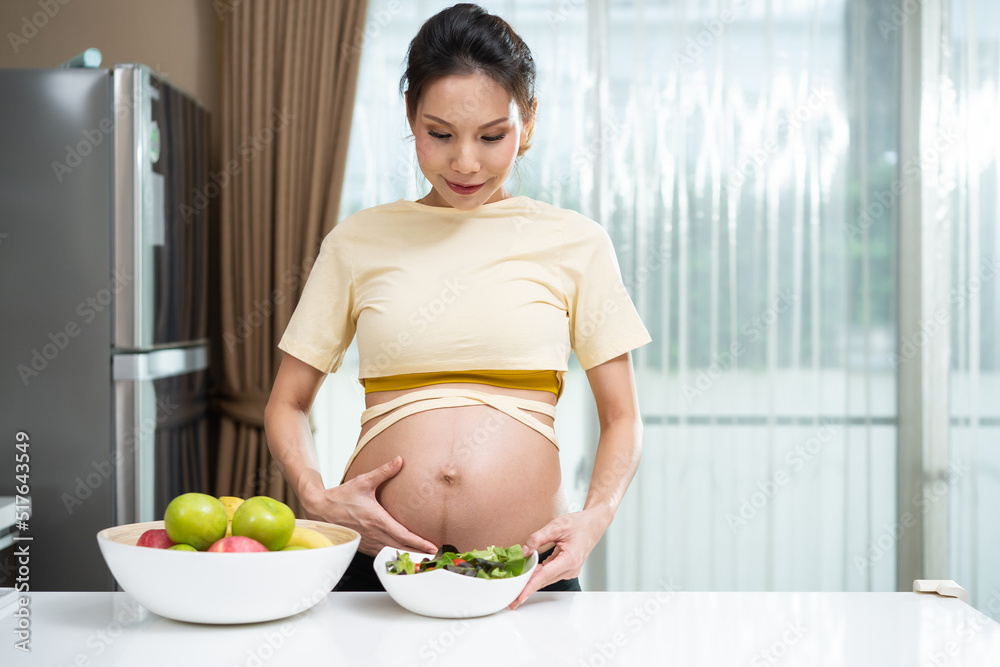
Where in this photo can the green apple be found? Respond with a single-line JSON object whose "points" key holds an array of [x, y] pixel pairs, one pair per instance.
{"points": [[269, 521], [182, 547], [196, 519]]}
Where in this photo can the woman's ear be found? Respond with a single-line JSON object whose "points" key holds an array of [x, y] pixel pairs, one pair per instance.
{"points": [[527, 127], [406, 110]]}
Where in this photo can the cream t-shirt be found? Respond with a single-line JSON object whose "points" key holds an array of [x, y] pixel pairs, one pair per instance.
{"points": [[514, 284]]}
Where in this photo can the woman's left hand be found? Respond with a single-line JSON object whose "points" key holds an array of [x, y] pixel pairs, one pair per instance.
{"points": [[574, 536]]}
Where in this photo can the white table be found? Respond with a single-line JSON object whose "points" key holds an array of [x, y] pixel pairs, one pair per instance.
{"points": [[553, 629]]}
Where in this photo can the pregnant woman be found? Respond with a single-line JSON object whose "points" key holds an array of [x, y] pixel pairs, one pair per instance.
{"points": [[466, 305]]}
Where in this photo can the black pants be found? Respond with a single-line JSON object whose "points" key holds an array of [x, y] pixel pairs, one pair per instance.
{"points": [[360, 576]]}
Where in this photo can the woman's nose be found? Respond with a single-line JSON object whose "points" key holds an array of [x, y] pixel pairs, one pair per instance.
{"points": [[465, 160]]}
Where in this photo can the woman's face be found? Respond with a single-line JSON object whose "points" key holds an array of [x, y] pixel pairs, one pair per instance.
{"points": [[467, 132]]}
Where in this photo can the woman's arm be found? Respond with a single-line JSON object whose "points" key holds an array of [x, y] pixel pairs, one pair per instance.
{"points": [[618, 451], [290, 441]]}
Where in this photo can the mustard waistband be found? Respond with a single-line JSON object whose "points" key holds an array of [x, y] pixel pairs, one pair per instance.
{"points": [[512, 379]]}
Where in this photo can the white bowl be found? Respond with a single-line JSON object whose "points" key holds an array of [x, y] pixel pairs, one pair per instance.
{"points": [[444, 594], [204, 587]]}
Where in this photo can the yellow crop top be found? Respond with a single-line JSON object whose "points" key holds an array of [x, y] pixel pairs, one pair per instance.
{"points": [[511, 285], [538, 380]]}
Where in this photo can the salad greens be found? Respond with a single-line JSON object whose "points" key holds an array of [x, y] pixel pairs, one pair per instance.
{"points": [[490, 563]]}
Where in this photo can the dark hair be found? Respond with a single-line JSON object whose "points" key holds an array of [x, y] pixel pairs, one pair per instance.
{"points": [[465, 39]]}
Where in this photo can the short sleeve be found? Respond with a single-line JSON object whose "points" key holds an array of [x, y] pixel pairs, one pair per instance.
{"points": [[603, 321], [323, 323]]}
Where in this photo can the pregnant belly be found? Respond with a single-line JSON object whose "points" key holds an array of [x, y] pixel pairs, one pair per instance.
{"points": [[472, 476]]}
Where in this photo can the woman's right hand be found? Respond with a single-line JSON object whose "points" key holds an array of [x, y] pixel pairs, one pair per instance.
{"points": [[353, 504]]}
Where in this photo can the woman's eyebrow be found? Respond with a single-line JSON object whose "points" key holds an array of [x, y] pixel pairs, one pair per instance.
{"points": [[444, 122]]}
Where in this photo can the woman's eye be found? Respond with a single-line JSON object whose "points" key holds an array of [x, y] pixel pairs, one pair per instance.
{"points": [[438, 135]]}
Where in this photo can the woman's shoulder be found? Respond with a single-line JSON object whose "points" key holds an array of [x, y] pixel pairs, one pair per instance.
{"points": [[571, 220], [577, 227], [378, 211], [350, 223]]}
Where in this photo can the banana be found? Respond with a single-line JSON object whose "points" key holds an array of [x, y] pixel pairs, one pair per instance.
{"points": [[230, 503], [308, 538]]}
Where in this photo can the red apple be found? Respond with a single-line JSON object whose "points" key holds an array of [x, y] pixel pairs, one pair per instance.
{"points": [[156, 538], [237, 543]]}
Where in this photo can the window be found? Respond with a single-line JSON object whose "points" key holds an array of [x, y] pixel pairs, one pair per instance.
{"points": [[745, 159]]}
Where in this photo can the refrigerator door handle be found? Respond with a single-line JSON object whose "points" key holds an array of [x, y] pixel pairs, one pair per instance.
{"points": [[160, 363]]}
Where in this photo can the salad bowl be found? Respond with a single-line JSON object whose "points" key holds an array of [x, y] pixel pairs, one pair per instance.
{"points": [[444, 594]]}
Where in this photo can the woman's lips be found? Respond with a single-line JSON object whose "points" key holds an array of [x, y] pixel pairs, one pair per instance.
{"points": [[464, 190]]}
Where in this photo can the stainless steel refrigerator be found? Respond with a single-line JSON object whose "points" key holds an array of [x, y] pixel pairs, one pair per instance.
{"points": [[103, 299]]}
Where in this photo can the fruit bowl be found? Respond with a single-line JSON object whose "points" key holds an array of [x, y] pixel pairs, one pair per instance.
{"points": [[204, 587], [444, 594]]}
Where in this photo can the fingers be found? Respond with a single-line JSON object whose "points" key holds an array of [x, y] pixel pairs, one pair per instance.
{"points": [[400, 538], [538, 580], [395, 534], [372, 520], [553, 570], [406, 539], [545, 536], [383, 472]]}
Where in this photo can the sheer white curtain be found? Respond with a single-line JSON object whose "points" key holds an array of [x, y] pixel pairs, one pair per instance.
{"points": [[972, 100], [736, 152], [734, 192]]}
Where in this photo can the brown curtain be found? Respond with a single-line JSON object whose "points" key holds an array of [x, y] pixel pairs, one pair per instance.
{"points": [[289, 77]]}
